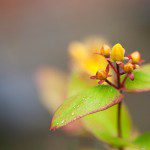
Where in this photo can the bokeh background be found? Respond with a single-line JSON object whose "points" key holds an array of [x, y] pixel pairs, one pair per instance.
{"points": [[37, 32]]}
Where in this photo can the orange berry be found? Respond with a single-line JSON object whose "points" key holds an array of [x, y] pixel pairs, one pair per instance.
{"points": [[136, 57], [105, 50], [101, 75], [128, 67]]}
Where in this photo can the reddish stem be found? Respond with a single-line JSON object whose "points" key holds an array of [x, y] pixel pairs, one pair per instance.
{"points": [[119, 105], [119, 85], [119, 123], [112, 66], [124, 80], [119, 120], [118, 76], [122, 73], [111, 84]]}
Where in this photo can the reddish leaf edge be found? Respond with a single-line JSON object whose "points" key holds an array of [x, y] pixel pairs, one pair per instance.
{"points": [[116, 101], [137, 90]]}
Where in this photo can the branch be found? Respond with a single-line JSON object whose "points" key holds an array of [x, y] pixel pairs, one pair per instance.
{"points": [[112, 66]]}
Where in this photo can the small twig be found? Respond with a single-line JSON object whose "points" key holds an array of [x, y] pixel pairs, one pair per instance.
{"points": [[118, 75], [119, 120], [119, 106], [122, 73], [112, 66], [124, 80], [111, 84], [119, 123]]}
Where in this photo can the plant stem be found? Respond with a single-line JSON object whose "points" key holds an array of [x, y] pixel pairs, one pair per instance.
{"points": [[112, 66], [124, 80], [119, 107], [118, 75], [119, 123], [119, 120], [111, 84]]}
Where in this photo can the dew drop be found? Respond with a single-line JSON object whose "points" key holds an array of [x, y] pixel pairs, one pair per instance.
{"points": [[72, 114], [84, 98], [62, 121]]}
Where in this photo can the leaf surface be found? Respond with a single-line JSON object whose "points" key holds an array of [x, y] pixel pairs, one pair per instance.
{"points": [[143, 141], [103, 125], [78, 83], [141, 80], [87, 102]]}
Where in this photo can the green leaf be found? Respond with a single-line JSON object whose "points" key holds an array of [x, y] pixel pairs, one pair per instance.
{"points": [[143, 141], [87, 102], [141, 80], [78, 83], [103, 125]]}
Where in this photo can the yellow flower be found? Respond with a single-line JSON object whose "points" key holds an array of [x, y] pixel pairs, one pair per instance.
{"points": [[101, 75], [136, 57], [128, 67], [105, 50], [84, 57], [117, 53]]}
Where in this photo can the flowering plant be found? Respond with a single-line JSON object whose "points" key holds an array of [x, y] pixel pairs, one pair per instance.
{"points": [[114, 73]]}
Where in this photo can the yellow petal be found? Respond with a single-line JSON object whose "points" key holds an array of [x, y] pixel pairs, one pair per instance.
{"points": [[105, 50], [117, 53], [94, 63], [78, 51], [136, 57], [83, 57]]}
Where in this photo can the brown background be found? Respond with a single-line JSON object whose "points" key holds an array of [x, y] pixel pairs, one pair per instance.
{"points": [[37, 32]]}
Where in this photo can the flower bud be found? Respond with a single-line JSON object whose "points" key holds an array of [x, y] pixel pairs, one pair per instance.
{"points": [[105, 50], [136, 66], [128, 68], [101, 75], [117, 53], [136, 57]]}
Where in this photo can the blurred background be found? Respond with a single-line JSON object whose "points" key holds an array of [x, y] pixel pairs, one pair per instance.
{"points": [[37, 32]]}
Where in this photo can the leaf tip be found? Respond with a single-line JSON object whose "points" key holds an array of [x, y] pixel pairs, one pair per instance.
{"points": [[138, 90], [52, 127]]}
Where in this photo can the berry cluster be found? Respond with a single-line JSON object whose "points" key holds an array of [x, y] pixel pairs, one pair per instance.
{"points": [[119, 63]]}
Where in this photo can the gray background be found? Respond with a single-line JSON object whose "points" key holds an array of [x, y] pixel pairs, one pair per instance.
{"points": [[33, 33]]}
